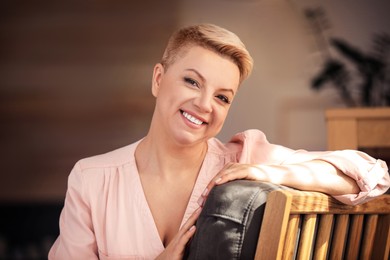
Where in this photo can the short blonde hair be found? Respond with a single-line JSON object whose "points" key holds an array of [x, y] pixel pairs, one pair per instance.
{"points": [[211, 37]]}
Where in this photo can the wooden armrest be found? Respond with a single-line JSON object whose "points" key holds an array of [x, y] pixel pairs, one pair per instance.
{"points": [[313, 224]]}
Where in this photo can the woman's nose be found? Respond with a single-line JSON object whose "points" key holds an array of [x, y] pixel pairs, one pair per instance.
{"points": [[204, 103]]}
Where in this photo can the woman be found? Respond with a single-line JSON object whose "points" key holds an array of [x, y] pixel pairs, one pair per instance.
{"points": [[142, 201]]}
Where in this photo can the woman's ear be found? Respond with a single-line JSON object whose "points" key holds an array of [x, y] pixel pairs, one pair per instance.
{"points": [[158, 73]]}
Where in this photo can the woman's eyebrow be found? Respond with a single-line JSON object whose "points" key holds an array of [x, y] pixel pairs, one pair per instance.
{"points": [[228, 90], [197, 73], [204, 80]]}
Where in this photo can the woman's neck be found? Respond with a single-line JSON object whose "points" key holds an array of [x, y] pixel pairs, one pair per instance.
{"points": [[163, 157]]}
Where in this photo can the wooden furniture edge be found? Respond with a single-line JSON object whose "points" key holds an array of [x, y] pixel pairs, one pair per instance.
{"points": [[323, 203], [271, 241], [372, 112]]}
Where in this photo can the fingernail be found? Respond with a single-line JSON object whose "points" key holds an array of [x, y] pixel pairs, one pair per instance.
{"points": [[200, 201], [218, 180], [205, 192]]}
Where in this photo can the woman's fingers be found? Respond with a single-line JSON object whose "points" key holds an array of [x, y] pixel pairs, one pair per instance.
{"points": [[190, 222], [220, 178], [185, 238], [176, 248], [231, 171], [228, 173], [186, 232]]}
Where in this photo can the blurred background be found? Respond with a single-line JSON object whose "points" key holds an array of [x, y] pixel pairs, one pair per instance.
{"points": [[75, 81]]}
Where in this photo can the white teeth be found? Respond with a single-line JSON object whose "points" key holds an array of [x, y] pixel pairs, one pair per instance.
{"points": [[192, 119]]}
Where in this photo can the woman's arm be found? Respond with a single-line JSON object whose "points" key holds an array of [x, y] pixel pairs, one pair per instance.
{"points": [[352, 177], [76, 239], [315, 175], [338, 173]]}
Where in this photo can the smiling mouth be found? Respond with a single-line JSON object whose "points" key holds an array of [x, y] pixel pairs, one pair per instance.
{"points": [[192, 119]]}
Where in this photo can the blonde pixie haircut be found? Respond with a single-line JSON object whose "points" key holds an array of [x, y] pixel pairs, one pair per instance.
{"points": [[211, 37]]}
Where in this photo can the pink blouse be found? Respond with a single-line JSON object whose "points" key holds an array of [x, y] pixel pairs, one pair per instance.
{"points": [[106, 215]]}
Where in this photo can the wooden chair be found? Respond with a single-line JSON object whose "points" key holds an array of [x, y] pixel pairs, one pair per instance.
{"points": [[312, 225]]}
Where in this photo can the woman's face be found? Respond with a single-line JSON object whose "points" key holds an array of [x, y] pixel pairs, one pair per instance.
{"points": [[194, 95]]}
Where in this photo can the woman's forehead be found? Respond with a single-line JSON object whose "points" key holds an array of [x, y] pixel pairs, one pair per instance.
{"points": [[211, 66], [198, 53]]}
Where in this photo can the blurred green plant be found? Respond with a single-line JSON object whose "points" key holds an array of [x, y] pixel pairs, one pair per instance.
{"points": [[361, 79]]}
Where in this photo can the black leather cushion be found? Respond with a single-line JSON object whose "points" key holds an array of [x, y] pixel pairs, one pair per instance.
{"points": [[229, 224]]}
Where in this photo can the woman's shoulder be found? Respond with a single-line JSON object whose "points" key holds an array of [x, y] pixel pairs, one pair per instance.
{"points": [[237, 142], [250, 135], [114, 158]]}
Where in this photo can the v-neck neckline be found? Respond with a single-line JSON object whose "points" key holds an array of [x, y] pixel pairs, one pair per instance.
{"points": [[192, 204]]}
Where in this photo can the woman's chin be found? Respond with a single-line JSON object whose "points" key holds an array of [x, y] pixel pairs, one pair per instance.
{"points": [[189, 139]]}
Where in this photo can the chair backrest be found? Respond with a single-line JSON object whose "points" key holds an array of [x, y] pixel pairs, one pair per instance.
{"points": [[312, 225]]}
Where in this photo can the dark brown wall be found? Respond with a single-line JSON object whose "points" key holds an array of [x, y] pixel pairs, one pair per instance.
{"points": [[74, 82]]}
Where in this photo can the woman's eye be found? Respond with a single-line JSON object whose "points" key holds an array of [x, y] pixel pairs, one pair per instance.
{"points": [[224, 99], [191, 82]]}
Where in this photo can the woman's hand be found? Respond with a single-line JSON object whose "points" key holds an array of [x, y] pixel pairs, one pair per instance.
{"points": [[234, 171], [176, 248]]}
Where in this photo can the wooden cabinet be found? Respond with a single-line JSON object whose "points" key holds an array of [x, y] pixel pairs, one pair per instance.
{"points": [[356, 128]]}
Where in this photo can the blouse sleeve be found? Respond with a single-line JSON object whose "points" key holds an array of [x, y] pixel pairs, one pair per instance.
{"points": [[370, 174], [76, 239]]}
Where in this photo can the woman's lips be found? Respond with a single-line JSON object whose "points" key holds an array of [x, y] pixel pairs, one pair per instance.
{"points": [[192, 119]]}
